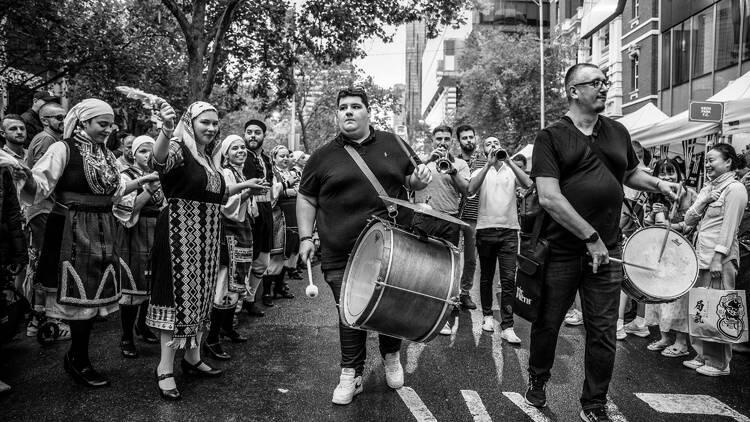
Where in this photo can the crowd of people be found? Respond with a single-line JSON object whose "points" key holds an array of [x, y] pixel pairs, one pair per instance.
{"points": [[185, 230], [178, 230]]}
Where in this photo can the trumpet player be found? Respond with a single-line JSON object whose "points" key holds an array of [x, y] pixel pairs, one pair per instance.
{"points": [[497, 232], [450, 181]]}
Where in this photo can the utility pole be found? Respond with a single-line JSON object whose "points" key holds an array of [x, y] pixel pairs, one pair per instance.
{"points": [[541, 60]]}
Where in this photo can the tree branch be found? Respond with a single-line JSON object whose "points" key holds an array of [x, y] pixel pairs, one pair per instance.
{"points": [[218, 39], [182, 20]]}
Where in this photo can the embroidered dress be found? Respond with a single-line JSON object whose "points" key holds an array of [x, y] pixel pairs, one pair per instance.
{"points": [[185, 257], [236, 246], [135, 237], [79, 264], [286, 210]]}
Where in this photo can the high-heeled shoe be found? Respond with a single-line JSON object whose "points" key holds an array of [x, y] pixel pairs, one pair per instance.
{"points": [[147, 335], [194, 369], [169, 395]]}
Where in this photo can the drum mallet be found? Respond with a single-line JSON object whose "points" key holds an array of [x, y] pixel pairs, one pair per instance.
{"points": [[311, 290]]}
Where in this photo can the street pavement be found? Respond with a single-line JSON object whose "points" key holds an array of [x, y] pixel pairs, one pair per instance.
{"points": [[288, 370]]}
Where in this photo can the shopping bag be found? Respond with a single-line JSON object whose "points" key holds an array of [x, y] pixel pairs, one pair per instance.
{"points": [[718, 315]]}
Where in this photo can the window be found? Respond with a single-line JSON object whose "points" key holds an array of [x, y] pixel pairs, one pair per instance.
{"points": [[703, 24], [634, 73], [681, 53], [606, 38], [666, 68], [635, 8], [727, 33]]}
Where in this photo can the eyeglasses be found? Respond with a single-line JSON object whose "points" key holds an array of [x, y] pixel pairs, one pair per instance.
{"points": [[597, 83], [56, 117]]}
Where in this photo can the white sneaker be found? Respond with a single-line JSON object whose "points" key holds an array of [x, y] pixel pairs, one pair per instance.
{"points": [[711, 371], [394, 372], [63, 330], [574, 317], [621, 334], [637, 330], [33, 327], [510, 336], [488, 324], [349, 386], [446, 330]]}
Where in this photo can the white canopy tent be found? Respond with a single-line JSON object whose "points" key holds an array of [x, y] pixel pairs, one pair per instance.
{"points": [[679, 128], [643, 118]]}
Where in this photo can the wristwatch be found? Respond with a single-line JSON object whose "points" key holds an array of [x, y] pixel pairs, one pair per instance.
{"points": [[593, 238]]}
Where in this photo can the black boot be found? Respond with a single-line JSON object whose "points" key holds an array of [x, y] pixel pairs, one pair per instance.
{"points": [[252, 310], [141, 329], [267, 297], [281, 289], [227, 329], [212, 346], [128, 314], [76, 361]]}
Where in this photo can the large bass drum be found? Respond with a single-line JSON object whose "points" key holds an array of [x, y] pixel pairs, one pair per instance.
{"points": [[671, 278], [398, 283]]}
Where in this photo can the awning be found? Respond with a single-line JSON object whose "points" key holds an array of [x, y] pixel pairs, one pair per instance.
{"points": [[678, 128], [643, 118], [736, 117]]}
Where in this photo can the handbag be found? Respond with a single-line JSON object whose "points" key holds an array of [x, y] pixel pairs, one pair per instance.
{"points": [[530, 271], [716, 315]]}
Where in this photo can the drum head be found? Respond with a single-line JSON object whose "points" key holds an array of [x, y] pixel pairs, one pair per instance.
{"points": [[674, 275], [364, 269]]}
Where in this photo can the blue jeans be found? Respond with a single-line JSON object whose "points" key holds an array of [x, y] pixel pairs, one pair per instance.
{"points": [[354, 341], [498, 245], [600, 297]]}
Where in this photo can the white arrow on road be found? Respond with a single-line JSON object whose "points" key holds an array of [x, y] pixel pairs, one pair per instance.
{"points": [[690, 404]]}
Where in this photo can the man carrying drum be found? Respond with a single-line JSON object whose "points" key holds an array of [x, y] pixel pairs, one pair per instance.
{"points": [[337, 196], [580, 164]]}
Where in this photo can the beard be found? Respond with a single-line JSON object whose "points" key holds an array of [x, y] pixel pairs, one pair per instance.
{"points": [[468, 148], [260, 145]]}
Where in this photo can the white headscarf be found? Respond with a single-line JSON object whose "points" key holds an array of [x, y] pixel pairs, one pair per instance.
{"points": [[85, 110], [139, 141], [186, 134], [224, 148]]}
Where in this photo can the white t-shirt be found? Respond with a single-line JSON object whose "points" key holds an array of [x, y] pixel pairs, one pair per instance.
{"points": [[497, 199]]}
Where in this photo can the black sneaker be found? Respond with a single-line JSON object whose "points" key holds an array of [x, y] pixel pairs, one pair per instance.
{"points": [[536, 394], [467, 303], [595, 414]]}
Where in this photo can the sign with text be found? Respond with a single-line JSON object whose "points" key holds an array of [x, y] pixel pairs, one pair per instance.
{"points": [[706, 111]]}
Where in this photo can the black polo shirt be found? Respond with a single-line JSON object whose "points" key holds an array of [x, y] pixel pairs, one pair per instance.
{"points": [[564, 152], [346, 198]]}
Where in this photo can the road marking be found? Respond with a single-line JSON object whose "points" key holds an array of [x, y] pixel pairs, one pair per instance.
{"points": [[529, 410], [614, 412], [476, 326], [476, 407], [690, 404], [497, 356], [413, 351], [416, 405]]}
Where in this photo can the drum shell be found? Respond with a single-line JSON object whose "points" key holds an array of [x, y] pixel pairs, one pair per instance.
{"points": [[630, 284], [411, 267]]}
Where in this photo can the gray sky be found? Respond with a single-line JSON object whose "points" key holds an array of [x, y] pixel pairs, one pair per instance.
{"points": [[386, 62]]}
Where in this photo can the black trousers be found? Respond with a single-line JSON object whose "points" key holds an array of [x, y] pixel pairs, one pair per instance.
{"points": [[498, 245], [600, 297], [353, 341]]}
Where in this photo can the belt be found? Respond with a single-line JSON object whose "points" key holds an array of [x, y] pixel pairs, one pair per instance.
{"points": [[84, 202]]}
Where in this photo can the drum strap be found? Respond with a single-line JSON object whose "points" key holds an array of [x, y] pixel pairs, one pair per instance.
{"points": [[392, 209]]}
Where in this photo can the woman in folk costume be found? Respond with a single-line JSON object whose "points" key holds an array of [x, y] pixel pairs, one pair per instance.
{"points": [[185, 256], [137, 213], [286, 238], [236, 256], [79, 265]]}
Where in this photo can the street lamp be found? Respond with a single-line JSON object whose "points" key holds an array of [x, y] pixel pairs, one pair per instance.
{"points": [[541, 60]]}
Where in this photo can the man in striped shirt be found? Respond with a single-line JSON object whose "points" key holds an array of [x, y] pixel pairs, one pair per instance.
{"points": [[469, 209]]}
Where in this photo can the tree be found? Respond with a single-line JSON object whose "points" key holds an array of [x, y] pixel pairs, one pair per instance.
{"points": [[231, 42], [499, 85], [315, 99]]}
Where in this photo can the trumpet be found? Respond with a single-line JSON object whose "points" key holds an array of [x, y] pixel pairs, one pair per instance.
{"points": [[499, 153], [444, 165]]}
